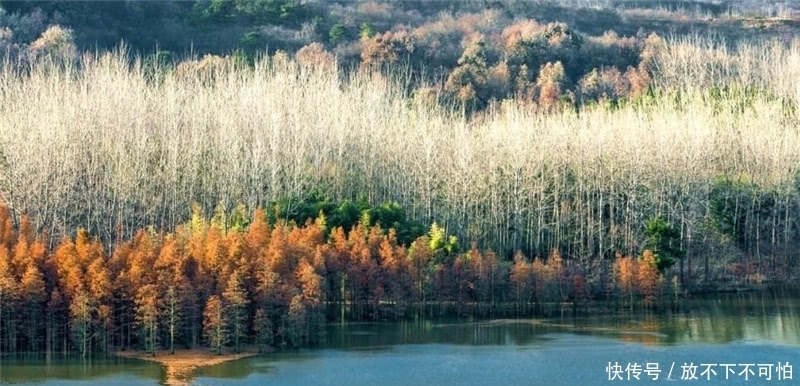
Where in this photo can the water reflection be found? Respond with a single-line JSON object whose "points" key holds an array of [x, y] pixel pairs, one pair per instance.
{"points": [[704, 326], [750, 317], [27, 369]]}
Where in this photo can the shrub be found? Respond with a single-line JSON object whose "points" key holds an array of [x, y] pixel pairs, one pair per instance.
{"points": [[315, 55], [337, 34], [610, 50], [467, 82], [55, 43], [528, 44], [550, 83], [388, 47], [607, 83]]}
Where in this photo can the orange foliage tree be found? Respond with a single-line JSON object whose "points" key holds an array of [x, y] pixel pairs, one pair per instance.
{"points": [[522, 278], [625, 271], [214, 326], [236, 300], [648, 277]]}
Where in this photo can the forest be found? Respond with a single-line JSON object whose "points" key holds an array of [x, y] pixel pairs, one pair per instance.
{"points": [[234, 281], [410, 160]]}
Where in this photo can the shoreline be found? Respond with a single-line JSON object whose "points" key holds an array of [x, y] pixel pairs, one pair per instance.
{"points": [[179, 367], [186, 357]]}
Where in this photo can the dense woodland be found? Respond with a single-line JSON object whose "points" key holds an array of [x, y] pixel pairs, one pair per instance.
{"points": [[237, 281], [386, 161]]}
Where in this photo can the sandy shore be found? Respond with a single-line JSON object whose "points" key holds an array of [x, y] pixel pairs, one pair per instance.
{"points": [[192, 358], [179, 367]]}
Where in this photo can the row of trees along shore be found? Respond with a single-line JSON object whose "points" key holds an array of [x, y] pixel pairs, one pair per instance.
{"points": [[235, 281]]}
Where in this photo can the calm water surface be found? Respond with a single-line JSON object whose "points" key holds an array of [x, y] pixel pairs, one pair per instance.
{"points": [[758, 329]]}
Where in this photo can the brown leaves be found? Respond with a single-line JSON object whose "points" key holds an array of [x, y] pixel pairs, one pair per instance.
{"points": [[648, 276], [638, 277], [285, 275], [549, 278], [388, 47], [315, 56], [214, 327], [521, 275]]}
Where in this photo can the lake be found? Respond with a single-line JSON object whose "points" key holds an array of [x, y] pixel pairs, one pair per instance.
{"points": [[746, 338]]}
